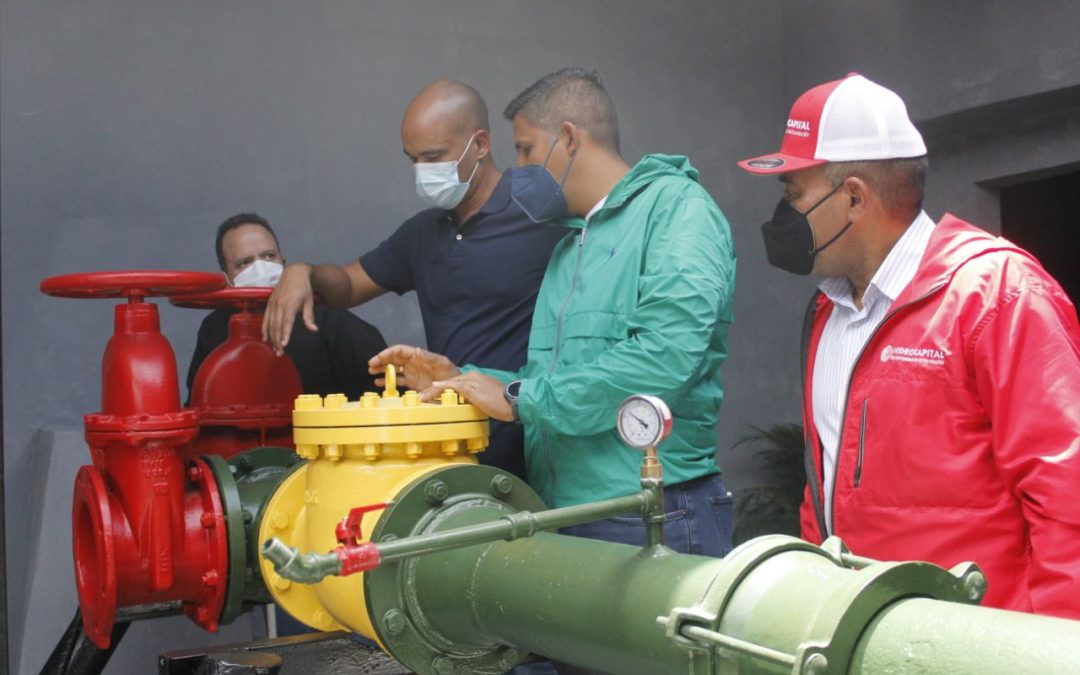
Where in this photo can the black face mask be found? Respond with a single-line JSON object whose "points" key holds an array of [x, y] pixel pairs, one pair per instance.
{"points": [[789, 238]]}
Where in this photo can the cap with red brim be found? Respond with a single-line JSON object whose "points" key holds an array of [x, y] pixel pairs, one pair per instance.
{"points": [[779, 162]]}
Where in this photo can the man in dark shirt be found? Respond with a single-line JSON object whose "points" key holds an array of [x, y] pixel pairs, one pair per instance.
{"points": [[475, 259], [334, 360]]}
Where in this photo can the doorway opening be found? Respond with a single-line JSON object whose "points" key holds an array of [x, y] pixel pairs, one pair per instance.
{"points": [[1043, 217]]}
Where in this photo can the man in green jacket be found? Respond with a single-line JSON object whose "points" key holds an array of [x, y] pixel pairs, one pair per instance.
{"points": [[637, 298]]}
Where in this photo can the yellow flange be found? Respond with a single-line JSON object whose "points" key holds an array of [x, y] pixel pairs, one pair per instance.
{"points": [[285, 518]]}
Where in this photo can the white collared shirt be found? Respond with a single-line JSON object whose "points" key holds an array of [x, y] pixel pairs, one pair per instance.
{"points": [[599, 205], [847, 331]]}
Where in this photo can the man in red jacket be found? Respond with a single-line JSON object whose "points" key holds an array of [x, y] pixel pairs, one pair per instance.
{"points": [[941, 365]]}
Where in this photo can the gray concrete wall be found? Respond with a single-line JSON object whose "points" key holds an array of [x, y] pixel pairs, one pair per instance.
{"points": [[131, 129], [993, 85]]}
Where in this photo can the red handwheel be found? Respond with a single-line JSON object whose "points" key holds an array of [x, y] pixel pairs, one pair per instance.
{"points": [[244, 299], [133, 285]]}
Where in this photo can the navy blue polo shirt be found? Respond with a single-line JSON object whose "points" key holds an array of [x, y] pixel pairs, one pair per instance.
{"points": [[476, 282]]}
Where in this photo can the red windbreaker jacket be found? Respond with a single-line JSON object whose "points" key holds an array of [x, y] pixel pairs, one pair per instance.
{"points": [[961, 431]]}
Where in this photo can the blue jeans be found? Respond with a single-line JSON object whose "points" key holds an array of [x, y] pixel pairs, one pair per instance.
{"points": [[698, 520]]}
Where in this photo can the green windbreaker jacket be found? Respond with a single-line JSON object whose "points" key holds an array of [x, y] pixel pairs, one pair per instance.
{"points": [[637, 300]]}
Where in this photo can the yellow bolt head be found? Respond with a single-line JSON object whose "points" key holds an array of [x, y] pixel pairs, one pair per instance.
{"points": [[308, 402], [334, 401]]}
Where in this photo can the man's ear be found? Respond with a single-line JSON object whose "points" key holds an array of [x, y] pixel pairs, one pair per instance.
{"points": [[483, 144], [858, 194], [572, 135]]}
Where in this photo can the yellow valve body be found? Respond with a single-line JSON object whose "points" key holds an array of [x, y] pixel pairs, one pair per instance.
{"points": [[360, 452]]}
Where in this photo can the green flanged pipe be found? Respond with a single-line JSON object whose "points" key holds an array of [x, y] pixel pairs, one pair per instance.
{"points": [[258, 473], [774, 605], [245, 483], [479, 609]]}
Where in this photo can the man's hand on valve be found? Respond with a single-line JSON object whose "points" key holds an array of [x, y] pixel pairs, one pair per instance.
{"points": [[292, 294], [430, 374], [483, 391], [416, 368]]}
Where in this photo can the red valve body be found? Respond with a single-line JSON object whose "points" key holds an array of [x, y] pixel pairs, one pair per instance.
{"points": [[146, 528], [244, 393]]}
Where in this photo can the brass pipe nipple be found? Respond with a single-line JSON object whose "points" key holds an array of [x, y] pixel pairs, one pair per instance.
{"points": [[651, 468]]}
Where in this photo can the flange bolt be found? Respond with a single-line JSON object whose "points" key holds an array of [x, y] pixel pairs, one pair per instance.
{"points": [[436, 492], [501, 485]]}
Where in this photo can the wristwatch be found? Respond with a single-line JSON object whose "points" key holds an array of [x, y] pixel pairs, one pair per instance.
{"points": [[510, 393]]}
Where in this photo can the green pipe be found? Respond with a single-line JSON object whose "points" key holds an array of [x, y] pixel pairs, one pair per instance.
{"points": [[311, 568], [592, 604], [928, 636], [654, 512], [778, 606], [513, 526], [775, 605]]}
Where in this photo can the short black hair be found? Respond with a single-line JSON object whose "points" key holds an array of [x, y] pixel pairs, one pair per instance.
{"points": [[234, 222], [573, 95], [900, 183]]}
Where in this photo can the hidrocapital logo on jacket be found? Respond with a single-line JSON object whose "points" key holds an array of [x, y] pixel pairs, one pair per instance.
{"points": [[928, 356]]}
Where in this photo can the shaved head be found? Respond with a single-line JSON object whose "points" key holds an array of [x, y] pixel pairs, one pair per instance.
{"points": [[448, 122], [450, 104]]}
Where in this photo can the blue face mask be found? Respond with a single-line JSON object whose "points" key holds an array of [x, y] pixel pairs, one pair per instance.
{"points": [[534, 190]]}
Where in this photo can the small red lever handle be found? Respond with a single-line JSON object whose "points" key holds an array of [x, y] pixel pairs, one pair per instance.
{"points": [[348, 530], [354, 556]]}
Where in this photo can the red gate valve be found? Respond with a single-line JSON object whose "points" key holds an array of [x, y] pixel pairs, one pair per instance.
{"points": [[141, 533], [354, 555]]}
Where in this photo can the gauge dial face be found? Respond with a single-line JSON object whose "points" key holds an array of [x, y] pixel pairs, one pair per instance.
{"points": [[643, 421]]}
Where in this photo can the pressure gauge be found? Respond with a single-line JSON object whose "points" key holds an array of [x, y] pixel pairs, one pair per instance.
{"points": [[643, 421]]}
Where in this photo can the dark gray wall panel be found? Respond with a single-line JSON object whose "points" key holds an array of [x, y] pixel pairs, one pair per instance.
{"points": [[942, 57], [131, 129]]}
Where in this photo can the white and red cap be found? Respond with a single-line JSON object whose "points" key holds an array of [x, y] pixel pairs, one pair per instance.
{"points": [[846, 120]]}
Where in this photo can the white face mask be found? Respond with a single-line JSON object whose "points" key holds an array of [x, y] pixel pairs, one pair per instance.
{"points": [[438, 184], [259, 273]]}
